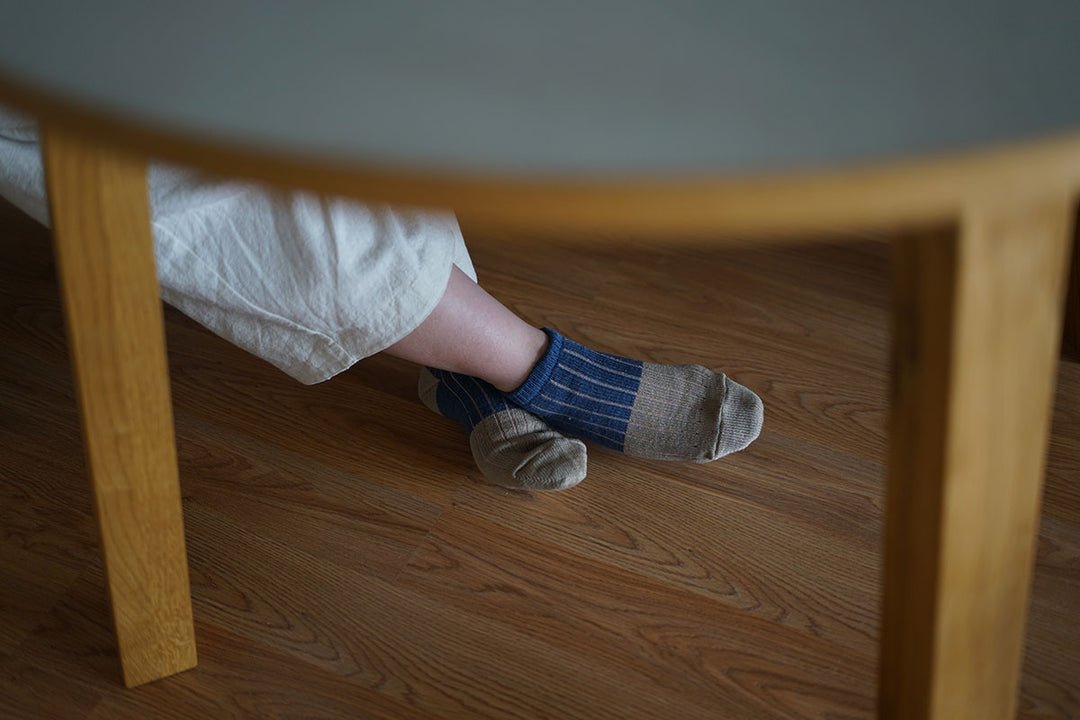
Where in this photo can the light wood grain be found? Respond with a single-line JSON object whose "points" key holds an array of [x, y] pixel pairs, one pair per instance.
{"points": [[101, 224], [977, 322]]}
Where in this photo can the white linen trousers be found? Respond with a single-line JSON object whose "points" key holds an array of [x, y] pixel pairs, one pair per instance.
{"points": [[311, 284]]}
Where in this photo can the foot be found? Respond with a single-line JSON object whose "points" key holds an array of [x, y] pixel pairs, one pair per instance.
{"points": [[662, 412], [511, 447]]}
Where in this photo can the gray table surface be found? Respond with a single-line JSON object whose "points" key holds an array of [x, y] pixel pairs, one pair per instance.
{"points": [[607, 87]]}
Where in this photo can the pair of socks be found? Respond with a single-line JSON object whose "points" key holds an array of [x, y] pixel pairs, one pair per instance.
{"points": [[531, 438]]}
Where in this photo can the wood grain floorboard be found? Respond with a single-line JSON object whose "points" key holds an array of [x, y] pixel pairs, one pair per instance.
{"points": [[337, 423], [348, 562], [383, 636], [730, 662], [703, 542], [31, 586], [1061, 497], [345, 518], [32, 693], [238, 679], [1050, 687]]}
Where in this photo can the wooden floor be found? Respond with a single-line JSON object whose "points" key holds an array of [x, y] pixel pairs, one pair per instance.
{"points": [[347, 561]]}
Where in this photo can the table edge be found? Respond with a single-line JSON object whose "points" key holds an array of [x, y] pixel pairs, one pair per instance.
{"points": [[909, 192]]}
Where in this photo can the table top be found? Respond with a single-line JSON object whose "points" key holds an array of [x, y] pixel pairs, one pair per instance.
{"points": [[584, 89]]}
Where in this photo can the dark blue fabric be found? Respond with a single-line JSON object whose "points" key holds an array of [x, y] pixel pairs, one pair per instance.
{"points": [[466, 399], [582, 392]]}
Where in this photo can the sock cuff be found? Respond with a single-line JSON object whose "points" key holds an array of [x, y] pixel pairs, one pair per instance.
{"points": [[541, 372]]}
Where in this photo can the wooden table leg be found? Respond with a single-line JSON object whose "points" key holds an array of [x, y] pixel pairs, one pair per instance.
{"points": [[101, 229], [977, 326]]}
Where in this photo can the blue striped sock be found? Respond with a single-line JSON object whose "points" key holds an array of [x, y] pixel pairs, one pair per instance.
{"points": [[663, 412], [467, 399], [581, 391]]}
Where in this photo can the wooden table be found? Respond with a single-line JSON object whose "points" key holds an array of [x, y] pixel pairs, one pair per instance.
{"points": [[609, 121]]}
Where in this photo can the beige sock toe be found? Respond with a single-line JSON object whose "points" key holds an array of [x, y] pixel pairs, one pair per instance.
{"points": [[515, 449], [688, 412]]}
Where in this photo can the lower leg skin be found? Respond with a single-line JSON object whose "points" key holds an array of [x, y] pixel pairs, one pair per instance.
{"points": [[472, 333]]}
